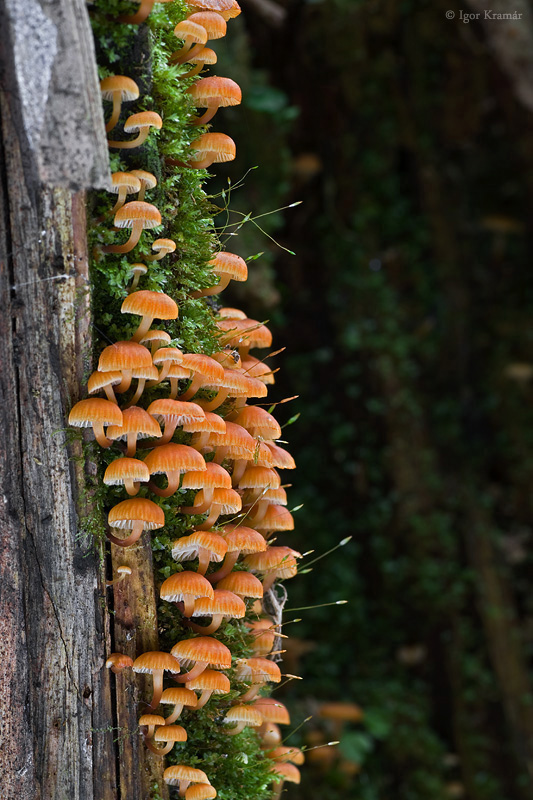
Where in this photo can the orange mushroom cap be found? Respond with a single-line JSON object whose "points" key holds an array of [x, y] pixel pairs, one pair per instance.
{"points": [[210, 680], [127, 512], [258, 422], [124, 355], [223, 602], [181, 584], [272, 710], [243, 584], [94, 409], [204, 649], [135, 420], [215, 91], [156, 305]]}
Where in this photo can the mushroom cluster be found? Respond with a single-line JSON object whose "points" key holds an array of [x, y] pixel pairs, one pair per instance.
{"points": [[183, 431]]}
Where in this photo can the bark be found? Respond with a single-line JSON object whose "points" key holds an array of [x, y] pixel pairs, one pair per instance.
{"points": [[55, 699]]}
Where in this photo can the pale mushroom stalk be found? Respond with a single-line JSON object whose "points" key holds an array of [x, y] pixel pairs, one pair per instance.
{"points": [[170, 427], [157, 750], [198, 668], [132, 487], [138, 392], [136, 533], [268, 581], [184, 785], [173, 483], [220, 455], [178, 708], [206, 117], [143, 328], [140, 15], [216, 402], [135, 235], [120, 578], [200, 440], [239, 468], [125, 383], [189, 50], [122, 194], [157, 677], [223, 283], [237, 729], [131, 444], [137, 142], [99, 435], [194, 385], [208, 499], [212, 518], [192, 72], [109, 393], [204, 697], [258, 512], [227, 565], [207, 630], [251, 693], [115, 113]]}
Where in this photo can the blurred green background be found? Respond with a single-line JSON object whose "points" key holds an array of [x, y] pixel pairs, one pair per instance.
{"points": [[406, 312]]}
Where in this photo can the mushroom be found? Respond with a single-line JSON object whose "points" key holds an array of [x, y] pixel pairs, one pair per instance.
{"points": [[169, 734], [171, 460], [205, 56], [212, 148], [284, 772], [199, 654], [182, 776], [96, 412], [212, 93], [122, 184], [137, 270], [136, 424], [208, 683], [173, 413], [225, 501], [161, 248], [185, 587], [200, 791], [236, 385], [127, 472], [213, 477], [194, 37], [135, 215], [118, 89], [155, 663], [243, 716], [149, 306], [104, 381], [124, 357], [243, 584], [203, 371], [202, 430], [207, 546], [150, 722], [141, 122], [224, 605], [239, 539], [143, 374], [156, 339], [137, 515], [123, 573], [178, 697], [228, 266], [258, 672], [142, 12], [118, 661], [148, 181]]}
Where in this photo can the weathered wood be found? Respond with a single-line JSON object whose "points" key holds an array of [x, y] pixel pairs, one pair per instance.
{"points": [[51, 602], [135, 632], [51, 83]]}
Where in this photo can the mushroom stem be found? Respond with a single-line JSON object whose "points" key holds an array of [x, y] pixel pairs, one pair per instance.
{"points": [[136, 533], [204, 163], [251, 693], [131, 442], [192, 72], [157, 676], [140, 15], [203, 560], [204, 697], [237, 729], [137, 142], [99, 435], [110, 394], [170, 426], [144, 327], [135, 235], [239, 468], [198, 668], [227, 565], [218, 399], [188, 605], [268, 581], [194, 385], [132, 487], [258, 513], [138, 392], [159, 751], [178, 708], [122, 194], [209, 629], [173, 483], [125, 383], [200, 440], [206, 116], [187, 51], [212, 518], [219, 287], [184, 785], [115, 113]]}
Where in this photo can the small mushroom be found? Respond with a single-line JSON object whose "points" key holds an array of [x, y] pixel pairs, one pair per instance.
{"points": [[118, 89], [141, 122], [138, 216]]}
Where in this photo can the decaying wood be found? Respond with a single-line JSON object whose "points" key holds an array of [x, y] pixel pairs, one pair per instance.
{"points": [[135, 632], [54, 627]]}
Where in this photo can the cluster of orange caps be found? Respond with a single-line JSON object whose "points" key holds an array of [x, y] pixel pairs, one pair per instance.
{"points": [[231, 460]]}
